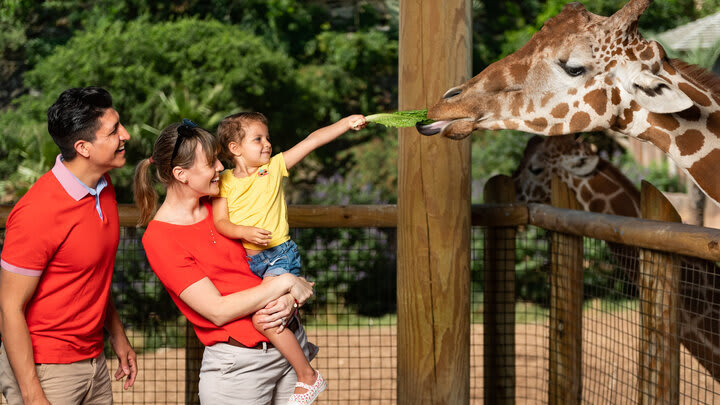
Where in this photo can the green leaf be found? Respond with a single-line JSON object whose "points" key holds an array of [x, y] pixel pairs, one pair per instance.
{"points": [[400, 119]]}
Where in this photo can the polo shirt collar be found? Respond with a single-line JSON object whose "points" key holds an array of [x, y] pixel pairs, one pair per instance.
{"points": [[72, 185]]}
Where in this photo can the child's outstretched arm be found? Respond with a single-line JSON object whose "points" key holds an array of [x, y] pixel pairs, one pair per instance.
{"points": [[222, 222], [320, 137]]}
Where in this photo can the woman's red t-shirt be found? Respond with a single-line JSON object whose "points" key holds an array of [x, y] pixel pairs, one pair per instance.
{"points": [[182, 255]]}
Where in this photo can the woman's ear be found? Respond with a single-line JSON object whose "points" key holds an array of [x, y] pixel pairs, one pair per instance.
{"points": [[179, 174]]}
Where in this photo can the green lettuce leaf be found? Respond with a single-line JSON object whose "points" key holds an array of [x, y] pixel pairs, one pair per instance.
{"points": [[400, 119]]}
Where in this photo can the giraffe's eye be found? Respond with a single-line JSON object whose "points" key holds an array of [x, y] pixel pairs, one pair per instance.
{"points": [[536, 170], [573, 71]]}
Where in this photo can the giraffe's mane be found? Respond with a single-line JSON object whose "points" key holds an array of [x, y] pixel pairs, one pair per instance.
{"points": [[702, 77]]}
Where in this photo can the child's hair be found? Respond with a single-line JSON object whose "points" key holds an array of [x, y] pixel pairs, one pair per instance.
{"points": [[143, 185], [232, 129]]}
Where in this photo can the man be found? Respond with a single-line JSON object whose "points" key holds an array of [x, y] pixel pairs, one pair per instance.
{"points": [[57, 262]]}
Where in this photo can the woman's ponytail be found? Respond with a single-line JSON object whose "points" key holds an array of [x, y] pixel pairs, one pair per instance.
{"points": [[144, 189]]}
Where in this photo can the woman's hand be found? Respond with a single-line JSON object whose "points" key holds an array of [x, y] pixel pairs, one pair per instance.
{"points": [[275, 312]]}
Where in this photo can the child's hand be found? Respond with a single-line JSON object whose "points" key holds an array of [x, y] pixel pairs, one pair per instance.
{"points": [[356, 122], [257, 236]]}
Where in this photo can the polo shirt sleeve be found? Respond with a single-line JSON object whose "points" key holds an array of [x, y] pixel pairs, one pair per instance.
{"points": [[225, 186], [278, 163], [31, 239], [175, 267]]}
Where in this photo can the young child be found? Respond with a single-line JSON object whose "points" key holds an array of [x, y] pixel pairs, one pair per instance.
{"points": [[252, 207]]}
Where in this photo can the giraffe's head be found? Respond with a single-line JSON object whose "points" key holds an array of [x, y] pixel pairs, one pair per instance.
{"points": [[580, 72], [544, 157]]}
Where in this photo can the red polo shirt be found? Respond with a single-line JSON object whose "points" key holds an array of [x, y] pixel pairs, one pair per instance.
{"points": [[182, 255], [55, 232]]}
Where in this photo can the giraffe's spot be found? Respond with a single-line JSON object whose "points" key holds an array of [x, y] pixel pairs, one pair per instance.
{"points": [[608, 80], [618, 33], [556, 129], [495, 81], [605, 59], [667, 79], [545, 99], [597, 99], [717, 99], [576, 104], [598, 128], [690, 142], [607, 40], [695, 94], [585, 193], [573, 91], [615, 96], [668, 68], [691, 114], [618, 41], [630, 54], [655, 67], [519, 71], [538, 124], [516, 102], [531, 107], [595, 49], [647, 54], [644, 67], [704, 171], [580, 120], [597, 205], [560, 110], [604, 48], [511, 125], [610, 65], [576, 182], [622, 203], [657, 137], [634, 42], [713, 123], [625, 42], [617, 51], [664, 121]]}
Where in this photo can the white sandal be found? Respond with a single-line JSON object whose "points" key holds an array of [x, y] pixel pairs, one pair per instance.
{"points": [[311, 394]]}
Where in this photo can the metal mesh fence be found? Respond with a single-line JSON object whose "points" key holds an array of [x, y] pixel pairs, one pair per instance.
{"points": [[352, 319]]}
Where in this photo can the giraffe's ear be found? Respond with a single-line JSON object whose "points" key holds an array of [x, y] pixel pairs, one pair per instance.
{"points": [[656, 95], [579, 165]]}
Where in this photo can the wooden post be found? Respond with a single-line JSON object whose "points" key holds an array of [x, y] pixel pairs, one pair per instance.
{"points": [[499, 301], [566, 299], [659, 374], [433, 211], [193, 361]]}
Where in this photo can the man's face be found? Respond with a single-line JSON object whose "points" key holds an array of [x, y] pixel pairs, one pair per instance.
{"points": [[107, 151]]}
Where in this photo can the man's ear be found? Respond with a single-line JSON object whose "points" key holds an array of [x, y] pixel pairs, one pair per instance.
{"points": [[82, 148]]}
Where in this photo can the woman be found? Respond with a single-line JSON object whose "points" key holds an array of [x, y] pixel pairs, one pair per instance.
{"points": [[208, 277]]}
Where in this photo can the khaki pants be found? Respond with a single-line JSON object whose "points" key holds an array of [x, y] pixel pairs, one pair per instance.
{"points": [[85, 382]]}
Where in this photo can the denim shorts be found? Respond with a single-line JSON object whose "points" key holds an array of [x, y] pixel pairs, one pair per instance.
{"points": [[277, 260]]}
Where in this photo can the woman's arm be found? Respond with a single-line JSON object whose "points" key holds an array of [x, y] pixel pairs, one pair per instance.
{"points": [[206, 300]]}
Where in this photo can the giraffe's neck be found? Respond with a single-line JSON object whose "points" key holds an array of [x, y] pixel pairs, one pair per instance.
{"points": [[607, 191]]}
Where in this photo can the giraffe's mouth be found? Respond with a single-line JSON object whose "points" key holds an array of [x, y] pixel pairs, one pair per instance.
{"points": [[458, 128]]}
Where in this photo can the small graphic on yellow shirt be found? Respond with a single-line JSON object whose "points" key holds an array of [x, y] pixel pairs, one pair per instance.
{"points": [[262, 172]]}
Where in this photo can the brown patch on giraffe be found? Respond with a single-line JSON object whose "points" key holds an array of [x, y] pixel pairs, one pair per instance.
{"points": [[605, 59], [667, 79], [621, 203], [576, 182], [597, 205], [689, 142], [531, 107], [625, 42], [545, 99], [704, 173], [618, 33], [695, 94], [615, 96], [655, 67], [495, 81], [668, 68], [519, 71], [657, 137], [573, 91], [585, 193], [630, 54], [576, 104], [590, 83], [598, 128], [556, 129], [647, 53], [560, 110], [538, 124], [580, 120], [604, 47], [713, 123], [511, 125], [691, 114], [610, 65], [664, 121], [597, 99], [516, 102], [608, 81]]}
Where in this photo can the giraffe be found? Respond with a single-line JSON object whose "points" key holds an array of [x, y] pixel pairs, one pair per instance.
{"points": [[584, 72], [600, 187]]}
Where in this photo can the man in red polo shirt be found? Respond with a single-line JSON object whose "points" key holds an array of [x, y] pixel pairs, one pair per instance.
{"points": [[57, 262]]}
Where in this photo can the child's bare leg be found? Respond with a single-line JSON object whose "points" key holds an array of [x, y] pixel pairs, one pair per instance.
{"points": [[289, 347]]}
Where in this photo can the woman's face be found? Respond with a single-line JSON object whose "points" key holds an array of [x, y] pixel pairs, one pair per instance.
{"points": [[203, 176]]}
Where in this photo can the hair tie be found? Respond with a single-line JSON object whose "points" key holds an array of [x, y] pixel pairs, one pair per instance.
{"points": [[151, 160]]}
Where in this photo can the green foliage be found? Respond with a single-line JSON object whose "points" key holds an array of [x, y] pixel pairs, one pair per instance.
{"points": [[400, 119]]}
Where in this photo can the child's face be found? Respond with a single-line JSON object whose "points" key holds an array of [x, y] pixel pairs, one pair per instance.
{"points": [[255, 147]]}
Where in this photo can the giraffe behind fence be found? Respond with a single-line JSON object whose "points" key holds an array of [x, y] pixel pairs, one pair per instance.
{"points": [[600, 187]]}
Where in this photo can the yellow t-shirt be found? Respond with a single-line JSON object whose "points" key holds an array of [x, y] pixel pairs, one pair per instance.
{"points": [[258, 200]]}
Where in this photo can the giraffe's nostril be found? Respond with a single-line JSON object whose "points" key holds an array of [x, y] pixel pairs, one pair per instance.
{"points": [[452, 93]]}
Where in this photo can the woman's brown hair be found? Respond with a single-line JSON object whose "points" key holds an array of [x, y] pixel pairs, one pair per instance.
{"points": [[165, 146]]}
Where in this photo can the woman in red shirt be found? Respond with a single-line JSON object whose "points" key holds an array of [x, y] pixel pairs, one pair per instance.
{"points": [[208, 277]]}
